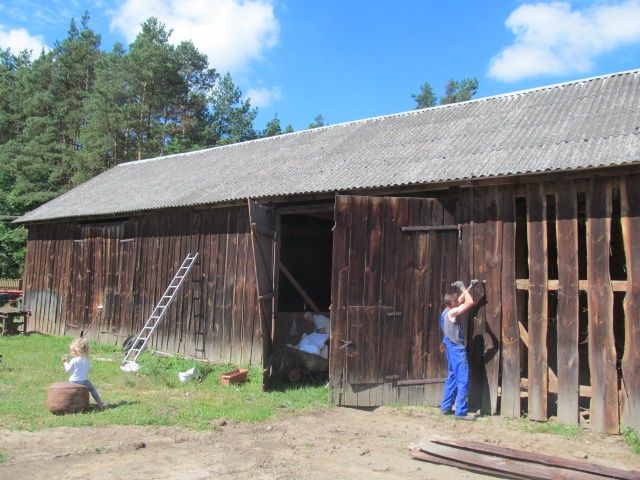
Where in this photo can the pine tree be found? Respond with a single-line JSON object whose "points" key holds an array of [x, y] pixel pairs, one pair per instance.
{"points": [[232, 118]]}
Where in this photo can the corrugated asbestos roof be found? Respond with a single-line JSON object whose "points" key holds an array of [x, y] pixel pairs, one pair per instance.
{"points": [[583, 124]]}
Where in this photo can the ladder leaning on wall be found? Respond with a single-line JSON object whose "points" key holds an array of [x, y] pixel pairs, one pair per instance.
{"points": [[150, 326]]}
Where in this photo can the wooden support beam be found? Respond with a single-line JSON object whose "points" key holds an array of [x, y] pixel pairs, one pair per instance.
{"points": [[323, 207], [568, 302], [298, 288], [583, 390], [538, 271], [583, 285], [420, 381], [602, 351], [510, 354], [630, 217], [493, 259]]}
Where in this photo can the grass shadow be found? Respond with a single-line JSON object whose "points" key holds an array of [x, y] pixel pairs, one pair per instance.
{"points": [[279, 384]]}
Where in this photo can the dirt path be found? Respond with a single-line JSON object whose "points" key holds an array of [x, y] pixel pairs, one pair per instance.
{"points": [[337, 443]]}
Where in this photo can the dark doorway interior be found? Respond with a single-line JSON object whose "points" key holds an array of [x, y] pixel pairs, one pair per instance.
{"points": [[304, 285]]}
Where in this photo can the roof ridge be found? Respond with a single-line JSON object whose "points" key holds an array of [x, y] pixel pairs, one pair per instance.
{"points": [[386, 116]]}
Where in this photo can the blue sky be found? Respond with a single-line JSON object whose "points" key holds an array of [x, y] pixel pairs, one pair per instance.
{"points": [[355, 59]]}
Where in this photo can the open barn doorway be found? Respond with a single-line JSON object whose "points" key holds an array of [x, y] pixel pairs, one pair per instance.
{"points": [[302, 325]]}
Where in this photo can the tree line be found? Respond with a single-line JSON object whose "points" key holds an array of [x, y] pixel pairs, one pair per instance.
{"points": [[77, 110]]}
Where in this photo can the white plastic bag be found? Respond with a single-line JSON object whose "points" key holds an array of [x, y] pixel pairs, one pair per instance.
{"points": [[188, 375], [130, 367]]}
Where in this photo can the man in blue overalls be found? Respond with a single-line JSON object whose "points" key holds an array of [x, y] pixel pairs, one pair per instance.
{"points": [[457, 383]]}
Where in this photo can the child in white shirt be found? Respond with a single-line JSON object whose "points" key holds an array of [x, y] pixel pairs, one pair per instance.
{"points": [[78, 366]]}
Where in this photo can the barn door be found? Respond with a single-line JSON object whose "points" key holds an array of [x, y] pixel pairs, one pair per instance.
{"points": [[264, 227], [392, 260]]}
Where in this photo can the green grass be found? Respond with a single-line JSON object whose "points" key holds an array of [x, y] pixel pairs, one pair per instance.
{"points": [[3, 457], [152, 396], [550, 427], [632, 438]]}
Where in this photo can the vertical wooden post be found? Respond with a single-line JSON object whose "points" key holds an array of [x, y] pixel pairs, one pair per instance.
{"points": [[464, 260], [568, 301], [478, 389], [630, 209], [510, 355], [602, 352], [493, 256], [538, 276]]}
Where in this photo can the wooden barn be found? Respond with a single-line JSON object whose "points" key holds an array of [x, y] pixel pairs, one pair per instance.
{"points": [[536, 192]]}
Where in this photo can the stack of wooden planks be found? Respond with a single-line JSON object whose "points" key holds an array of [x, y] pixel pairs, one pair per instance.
{"points": [[506, 462]]}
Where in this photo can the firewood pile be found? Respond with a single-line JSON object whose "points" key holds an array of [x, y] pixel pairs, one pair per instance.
{"points": [[506, 462]]}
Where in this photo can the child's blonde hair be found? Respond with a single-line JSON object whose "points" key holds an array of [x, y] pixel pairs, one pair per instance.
{"points": [[79, 347]]}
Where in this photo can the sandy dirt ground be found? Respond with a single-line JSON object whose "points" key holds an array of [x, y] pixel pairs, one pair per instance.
{"points": [[336, 443]]}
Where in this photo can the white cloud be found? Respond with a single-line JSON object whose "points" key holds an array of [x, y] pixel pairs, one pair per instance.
{"points": [[263, 97], [231, 32], [18, 39], [554, 39]]}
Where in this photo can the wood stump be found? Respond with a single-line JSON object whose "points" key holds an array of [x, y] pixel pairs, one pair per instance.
{"points": [[67, 397]]}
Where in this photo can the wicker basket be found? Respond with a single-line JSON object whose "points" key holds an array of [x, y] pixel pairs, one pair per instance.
{"points": [[67, 397]]}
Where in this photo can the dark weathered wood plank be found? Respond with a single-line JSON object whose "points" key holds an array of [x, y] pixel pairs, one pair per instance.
{"points": [[339, 280], [510, 354], [390, 324], [538, 275], [430, 258], [630, 208], [219, 283], [568, 301], [356, 318], [503, 466], [477, 316], [238, 299], [372, 288], [602, 354], [493, 259], [538, 458], [465, 255]]}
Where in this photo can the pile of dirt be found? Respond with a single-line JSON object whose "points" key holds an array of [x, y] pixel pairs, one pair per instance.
{"points": [[335, 443]]}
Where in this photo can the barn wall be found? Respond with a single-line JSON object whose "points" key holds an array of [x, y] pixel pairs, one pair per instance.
{"points": [[71, 269], [559, 335], [555, 331]]}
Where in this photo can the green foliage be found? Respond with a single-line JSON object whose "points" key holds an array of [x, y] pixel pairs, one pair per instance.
{"points": [[272, 127], [12, 241], [152, 396], [75, 111], [3, 457], [632, 438], [232, 117], [318, 121], [426, 98], [454, 92], [462, 91]]}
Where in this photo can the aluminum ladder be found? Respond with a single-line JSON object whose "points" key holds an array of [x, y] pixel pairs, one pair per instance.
{"points": [[158, 312]]}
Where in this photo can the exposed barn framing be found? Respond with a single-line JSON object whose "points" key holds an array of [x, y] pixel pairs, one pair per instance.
{"points": [[536, 192]]}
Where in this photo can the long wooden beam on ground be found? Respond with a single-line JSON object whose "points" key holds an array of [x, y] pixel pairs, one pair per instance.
{"points": [[540, 458], [502, 466]]}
